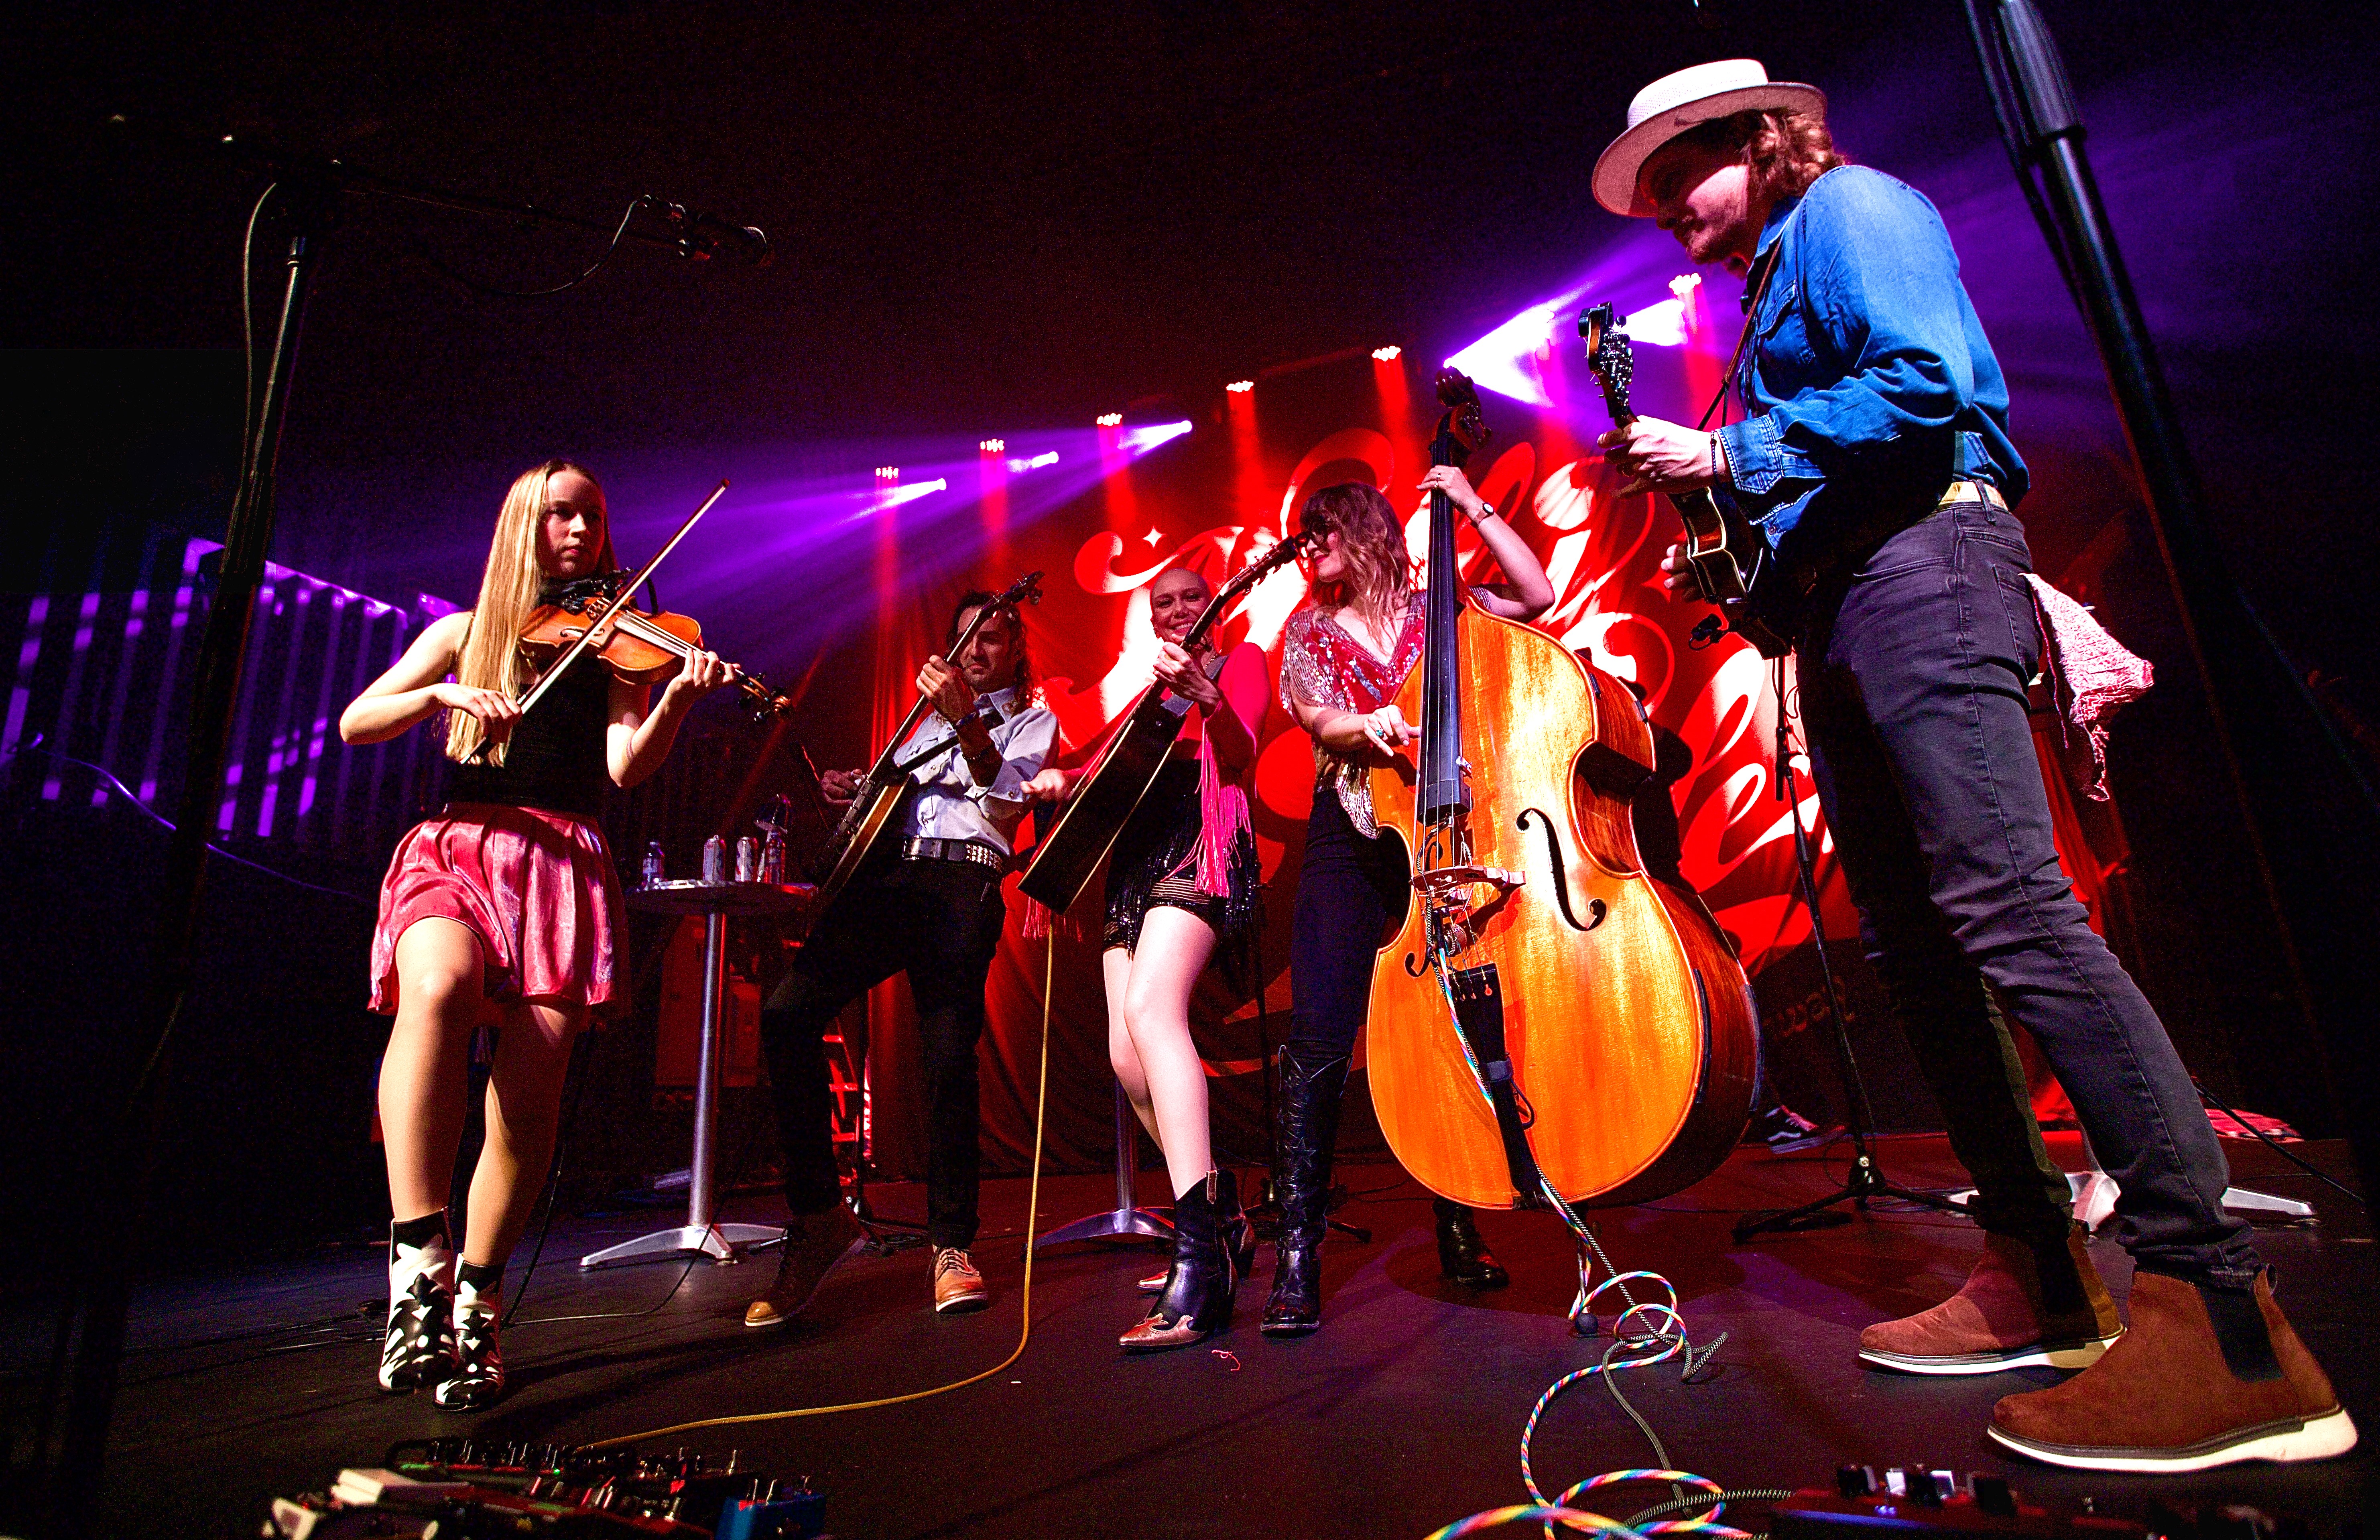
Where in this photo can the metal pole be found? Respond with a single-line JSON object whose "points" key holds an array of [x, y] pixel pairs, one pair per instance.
{"points": [[1127, 1153], [698, 1194], [122, 1184]]}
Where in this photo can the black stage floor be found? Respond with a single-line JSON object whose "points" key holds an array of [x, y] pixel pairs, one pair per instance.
{"points": [[1402, 1414]]}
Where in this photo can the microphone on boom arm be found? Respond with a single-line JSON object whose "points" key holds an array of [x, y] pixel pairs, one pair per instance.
{"points": [[703, 235]]}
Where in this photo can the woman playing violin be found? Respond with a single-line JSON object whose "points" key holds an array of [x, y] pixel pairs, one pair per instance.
{"points": [[1343, 658], [1182, 881], [503, 906]]}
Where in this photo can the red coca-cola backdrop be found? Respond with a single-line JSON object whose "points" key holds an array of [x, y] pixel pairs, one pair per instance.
{"points": [[1215, 499]]}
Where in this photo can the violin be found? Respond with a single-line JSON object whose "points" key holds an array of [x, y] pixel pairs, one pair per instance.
{"points": [[638, 647]]}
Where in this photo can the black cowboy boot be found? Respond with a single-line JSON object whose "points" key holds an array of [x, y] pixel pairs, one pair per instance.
{"points": [[1306, 1127], [1231, 1223], [1197, 1299], [1463, 1256]]}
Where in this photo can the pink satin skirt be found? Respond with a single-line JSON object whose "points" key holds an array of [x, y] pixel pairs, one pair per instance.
{"points": [[538, 889]]}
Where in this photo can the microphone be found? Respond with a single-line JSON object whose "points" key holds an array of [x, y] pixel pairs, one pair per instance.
{"points": [[703, 235], [712, 234]]}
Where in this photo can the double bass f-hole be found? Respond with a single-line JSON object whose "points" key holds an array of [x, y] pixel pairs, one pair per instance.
{"points": [[1555, 859]]}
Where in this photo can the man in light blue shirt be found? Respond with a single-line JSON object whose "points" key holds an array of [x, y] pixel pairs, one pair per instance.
{"points": [[1876, 458], [935, 912]]}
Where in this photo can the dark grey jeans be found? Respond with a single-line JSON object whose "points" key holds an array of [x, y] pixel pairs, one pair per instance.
{"points": [[1912, 692]]}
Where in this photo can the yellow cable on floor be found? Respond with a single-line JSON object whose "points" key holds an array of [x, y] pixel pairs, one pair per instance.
{"points": [[1033, 1213]]}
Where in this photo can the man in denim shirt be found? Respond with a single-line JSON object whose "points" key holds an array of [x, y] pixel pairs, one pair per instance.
{"points": [[1876, 462]]}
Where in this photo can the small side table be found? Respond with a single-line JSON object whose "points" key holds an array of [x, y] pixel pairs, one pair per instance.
{"points": [[714, 902]]}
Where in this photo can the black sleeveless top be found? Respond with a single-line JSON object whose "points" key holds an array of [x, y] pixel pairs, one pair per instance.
{"points": [[557, 759]]}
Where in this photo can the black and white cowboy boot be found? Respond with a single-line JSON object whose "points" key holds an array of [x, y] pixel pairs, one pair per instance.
{"points": [[418, 1349], [479, 1378]]}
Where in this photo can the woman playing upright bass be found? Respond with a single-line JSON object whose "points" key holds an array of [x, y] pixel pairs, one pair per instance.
{"points": [[1343, 658]]}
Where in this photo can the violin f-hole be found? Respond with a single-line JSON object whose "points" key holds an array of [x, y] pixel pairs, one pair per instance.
{"points": [[1555, 859]]}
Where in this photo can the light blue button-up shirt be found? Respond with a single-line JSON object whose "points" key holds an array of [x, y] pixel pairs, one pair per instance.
{"points": [[949, 804], [1870, 382]]}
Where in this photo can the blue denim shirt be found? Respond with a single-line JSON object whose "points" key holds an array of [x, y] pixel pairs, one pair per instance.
{"points": [[1869, 381]]}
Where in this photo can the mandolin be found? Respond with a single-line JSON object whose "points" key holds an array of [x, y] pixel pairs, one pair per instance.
{"points": [[1550, 1020], [1135, 756], [861, 838], [1724, 551]]}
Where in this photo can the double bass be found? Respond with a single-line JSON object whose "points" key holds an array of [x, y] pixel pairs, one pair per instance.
{"points": [[1549, 1018]]}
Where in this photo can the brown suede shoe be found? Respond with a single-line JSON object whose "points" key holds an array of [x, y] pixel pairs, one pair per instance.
{"points": [[2016, 1308], [958, 1286], [2169, 1397], [815, 1245]]}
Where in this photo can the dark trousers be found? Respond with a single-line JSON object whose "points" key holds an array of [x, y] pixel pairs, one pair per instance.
{"points": [[1913, 689], [1350, 890], [940, 921]]}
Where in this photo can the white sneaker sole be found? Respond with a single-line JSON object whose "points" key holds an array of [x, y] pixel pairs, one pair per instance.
{"points": [[2332, 1432], [2064, 1355]]}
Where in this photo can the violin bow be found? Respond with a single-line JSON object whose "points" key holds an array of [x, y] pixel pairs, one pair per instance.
{"points": [[595, 628]]}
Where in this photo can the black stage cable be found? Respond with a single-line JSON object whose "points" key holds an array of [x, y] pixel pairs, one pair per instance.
{"points": [[36, 745], [2277, 1148], [492, 291]]}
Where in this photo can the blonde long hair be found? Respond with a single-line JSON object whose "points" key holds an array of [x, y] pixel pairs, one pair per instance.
{"points": [[490, 657], [1379, 567]]}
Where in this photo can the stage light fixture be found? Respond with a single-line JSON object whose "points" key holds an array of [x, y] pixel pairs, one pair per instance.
{"points": [[993, 446], [1389, 354], [1111, 420], [1241, 387], [888, 473], [1048, 457], [1685, 283]]}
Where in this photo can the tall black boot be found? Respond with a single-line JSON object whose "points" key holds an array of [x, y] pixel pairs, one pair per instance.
{"points": [[1462, 1254], [1305, 1126], [1197, 1299], [1233, 1226]]}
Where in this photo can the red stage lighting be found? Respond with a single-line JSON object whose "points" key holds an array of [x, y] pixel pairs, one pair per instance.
{"points": [[993, 446], [1241, 387], [1389, 354], [1111, 420], [888, 473]]}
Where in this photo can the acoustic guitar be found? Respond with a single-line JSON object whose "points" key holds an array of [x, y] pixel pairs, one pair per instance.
{"points": [[1135, 756], [1724, 551], [863, 835]]}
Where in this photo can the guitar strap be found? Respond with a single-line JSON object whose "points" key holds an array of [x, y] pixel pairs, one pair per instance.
{"points": [[1763, 271]]}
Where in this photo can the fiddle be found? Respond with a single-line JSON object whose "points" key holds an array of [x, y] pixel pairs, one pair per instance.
{"points": [[638, 647]]}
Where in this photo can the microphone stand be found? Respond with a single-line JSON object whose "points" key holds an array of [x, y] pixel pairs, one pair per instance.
{"points": [[92, 1322], [1866, 1180]]}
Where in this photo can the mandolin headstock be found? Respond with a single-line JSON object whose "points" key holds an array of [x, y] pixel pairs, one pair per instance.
{"points": [[1609, 355]]}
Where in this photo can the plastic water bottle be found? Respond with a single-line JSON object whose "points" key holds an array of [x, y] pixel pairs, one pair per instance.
{"points": [[715, 859], [653, 870]]}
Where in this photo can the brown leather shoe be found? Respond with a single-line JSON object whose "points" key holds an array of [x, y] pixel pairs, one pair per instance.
{"points": [[2017, 1307], [815, 1245], [2187, 1388], [958, 1286]]}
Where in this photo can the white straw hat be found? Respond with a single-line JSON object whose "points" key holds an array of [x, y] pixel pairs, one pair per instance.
{"points": [[1675, 103]]}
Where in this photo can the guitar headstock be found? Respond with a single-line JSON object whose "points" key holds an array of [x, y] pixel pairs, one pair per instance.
{"points": [[1460, 423], [1281, 555], [1609, 354]]}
